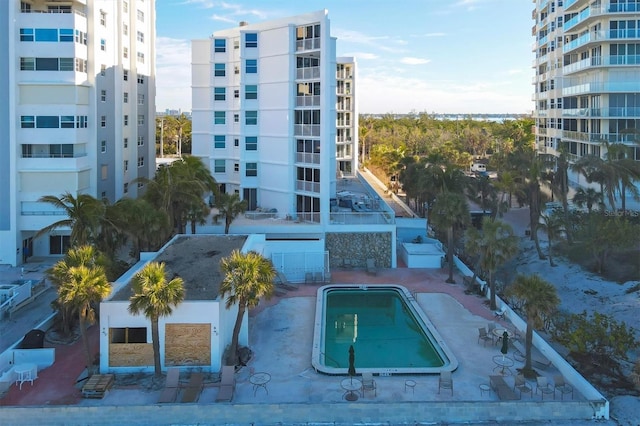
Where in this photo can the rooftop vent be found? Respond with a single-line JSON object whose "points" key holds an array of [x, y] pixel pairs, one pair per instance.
{"points": [[243, 23]]}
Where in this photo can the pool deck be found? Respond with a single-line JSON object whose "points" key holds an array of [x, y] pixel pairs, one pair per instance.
{"points": [[281, 335]]}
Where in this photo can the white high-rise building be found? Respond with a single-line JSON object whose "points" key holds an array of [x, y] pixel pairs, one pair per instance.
{"points": [[264, 114], [587, 77], [80, 112]]}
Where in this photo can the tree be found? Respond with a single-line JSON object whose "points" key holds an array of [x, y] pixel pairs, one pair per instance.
{"points": [[494, 244], [229, 207], [539, 299], [587, 197], [247, 278], [553, 224], [84, 214], [154, 296], [82, 283], [146, 226], [451, 212]]}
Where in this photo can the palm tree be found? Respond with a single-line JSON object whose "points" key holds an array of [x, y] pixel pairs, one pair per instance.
{"points": [[84, 214], [553, 224], [82, 283], [587, 197], [539, 299], [494, 245], [248, 277], [229, 206], [451, 212], [155, 297]]}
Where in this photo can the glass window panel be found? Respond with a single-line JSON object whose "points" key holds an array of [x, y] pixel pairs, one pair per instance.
{"points": [[46, 34]]}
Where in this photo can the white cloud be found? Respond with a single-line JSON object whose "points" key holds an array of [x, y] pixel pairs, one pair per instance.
{"points": [[414, 61], [173, 73]]}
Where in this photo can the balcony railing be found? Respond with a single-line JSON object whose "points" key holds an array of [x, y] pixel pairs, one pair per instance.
{"points": [[303, 185], [303, 101], [56, 11], [602, 35], [306, 129], [611, 87], [310, 73], [36, 208], [613, 112], [599, 137], [569, 3], [308, 44], [307, 157]]}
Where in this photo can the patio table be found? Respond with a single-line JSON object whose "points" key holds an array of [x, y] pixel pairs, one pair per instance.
{"points": [[26, 373]]}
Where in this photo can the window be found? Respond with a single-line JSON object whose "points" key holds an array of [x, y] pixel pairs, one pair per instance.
{"points": [[67, 64], [219, 45], [140, 79], [27, 64], [81, 122], [251, 91], [140, 140], [219, 93], [66, 35], [26, 34], [140, 36], [59, 244], [236, 167], [141, 57], [219, 117], [140, 99], [104, 172], [140, 15], [126, 165], [140, 185], [125, 188], [103, 70], [103, 121], [251, 143], [46, 34], [125, 75], [46, 64], [125, 142], [103, 96], [103, 44], [103, 146], [251, 66], [81, 37], [67, 122], [140, 120], [219, 70], [47, 122], [125, 7], [125, 29], [103, 19], [251, 118], [236, 118], [236, 93], [219, 141], [125, 52], [236, 142], [126, 120], [252, 169], [81, 65], [128, 335], [27, 121], [103, 194], [140, 161], [251, 40], [125, 97], [219, 166]]}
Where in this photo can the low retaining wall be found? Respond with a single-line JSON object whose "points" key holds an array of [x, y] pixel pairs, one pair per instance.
{"points": [[336, 414]]}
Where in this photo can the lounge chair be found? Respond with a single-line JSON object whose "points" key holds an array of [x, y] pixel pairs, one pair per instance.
{"points": [[227, 384], [371, 267], [482, 335], [544, 387], [500, 387], [282, 284], [368, 384], [500, 313], [562, 386], [193, 389], [171, 386], [537, 361], [522, 386], [445, 381]]}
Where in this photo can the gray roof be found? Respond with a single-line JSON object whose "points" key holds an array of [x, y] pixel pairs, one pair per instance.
{"points": [[195, 259]]}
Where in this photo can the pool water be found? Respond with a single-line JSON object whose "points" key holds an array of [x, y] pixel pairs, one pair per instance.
{"points": [[387, 329]]}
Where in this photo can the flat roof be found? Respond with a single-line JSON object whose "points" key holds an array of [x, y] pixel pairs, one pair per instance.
{"points": [[195, 259]]}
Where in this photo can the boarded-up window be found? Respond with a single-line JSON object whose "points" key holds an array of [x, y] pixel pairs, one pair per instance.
{"points": [[187, 344]]}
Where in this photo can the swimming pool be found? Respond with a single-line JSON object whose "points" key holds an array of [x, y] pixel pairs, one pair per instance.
{"points": [[388, 330]]}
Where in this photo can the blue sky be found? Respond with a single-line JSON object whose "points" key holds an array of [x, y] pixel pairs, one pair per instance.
{"points": [[444, 56]]}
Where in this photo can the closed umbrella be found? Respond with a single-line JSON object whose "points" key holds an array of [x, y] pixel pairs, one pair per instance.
{"points": [[352, 360], [505, 344]]}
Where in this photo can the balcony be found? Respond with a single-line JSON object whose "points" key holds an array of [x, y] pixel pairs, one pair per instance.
{"points": [[591, 11], [304, 101], [303, 185], [306, 129], [307, 44], [599, 137], [311, 73], [600, 61], [611, 112], [602, 35], [569, 3], [602, 87], [307, 158]]}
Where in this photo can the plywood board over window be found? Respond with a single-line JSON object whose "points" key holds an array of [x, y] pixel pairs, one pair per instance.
{"points": [[187, 344]]}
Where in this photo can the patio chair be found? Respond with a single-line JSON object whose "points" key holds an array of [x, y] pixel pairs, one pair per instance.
{"points": [[482, 335], [227, 384], [371, 267], [368, 384], [562, 386], [543, 386], [490, 327], [171, 386], [522, 386], [308, 278], [500, 313], [445, 381], [318, 278], [194, 387]]}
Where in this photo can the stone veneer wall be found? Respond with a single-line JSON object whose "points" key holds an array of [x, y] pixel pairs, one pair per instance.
{"points": [[357, 247]]}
